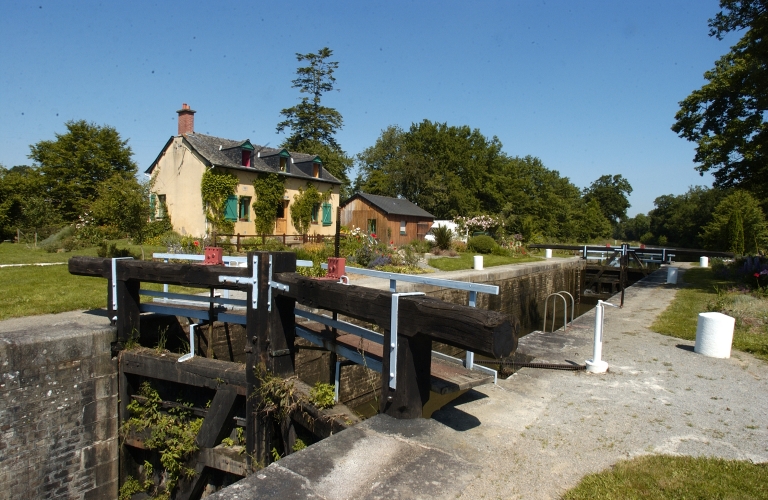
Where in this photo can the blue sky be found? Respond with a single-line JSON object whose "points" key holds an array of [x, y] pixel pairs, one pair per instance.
{"points": [[589, 87]]}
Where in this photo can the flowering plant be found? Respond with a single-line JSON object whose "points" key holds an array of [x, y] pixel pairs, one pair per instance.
{"points": [[468, 225]]}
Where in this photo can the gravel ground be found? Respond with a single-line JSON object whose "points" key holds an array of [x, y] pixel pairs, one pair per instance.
{"points": [[536, 434]]}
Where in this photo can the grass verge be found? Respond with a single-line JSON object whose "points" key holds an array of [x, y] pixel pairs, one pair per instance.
{"points": [[705, 292], [465, 261], [20, 253], [668, 477]]}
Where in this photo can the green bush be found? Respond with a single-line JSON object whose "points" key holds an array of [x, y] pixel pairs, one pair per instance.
{"points": [[501, 251], [421, 246], [481, 244]]}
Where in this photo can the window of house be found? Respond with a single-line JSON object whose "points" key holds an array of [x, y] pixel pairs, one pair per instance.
{"points": [[283, 163], [327, 214], [246, 158], [161, 206], [281, 209], [371, 226], [230, 209], [315, 212], [244, 212], [315, 170], [402, 227]]}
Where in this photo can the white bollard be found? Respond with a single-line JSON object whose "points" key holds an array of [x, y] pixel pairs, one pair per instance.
{"points": [[714, 335], [548, 253], [671, 275], [597, 365], [478, 262], [703, 261]]}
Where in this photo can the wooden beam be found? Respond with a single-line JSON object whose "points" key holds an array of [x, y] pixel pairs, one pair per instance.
{"points": [[486, 332], [158, 272], [197, 372], [218, 421]]}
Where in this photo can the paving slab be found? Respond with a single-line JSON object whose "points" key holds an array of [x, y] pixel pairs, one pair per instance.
{"points": [[536, 434]]}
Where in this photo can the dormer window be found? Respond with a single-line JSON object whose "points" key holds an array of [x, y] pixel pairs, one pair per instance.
{"points": [[315, 170], [284, 159], [246, 150]]}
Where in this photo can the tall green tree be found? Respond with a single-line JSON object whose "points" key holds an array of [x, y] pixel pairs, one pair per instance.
{"points": [[76, 162], [680, 218], [738, 225], [313, 126], [122, 203], [23, 204], [726, 118], [610, 192]]}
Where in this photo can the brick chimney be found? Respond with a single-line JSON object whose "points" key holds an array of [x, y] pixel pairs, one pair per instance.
{"points": [[186, 119]]}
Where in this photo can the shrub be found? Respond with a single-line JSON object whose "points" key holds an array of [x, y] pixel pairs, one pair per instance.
{"points": [[322, 395], [110, 251], [481, 244], [459, 246], [421, 246], [499, 250], [443, 237]]}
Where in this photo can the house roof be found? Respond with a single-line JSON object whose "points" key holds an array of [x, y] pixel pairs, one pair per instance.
{"points": [[213, 150], [392, 206]]}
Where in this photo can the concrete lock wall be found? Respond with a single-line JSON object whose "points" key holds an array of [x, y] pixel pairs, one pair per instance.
{"points": [[522, 288], [58, 407]]}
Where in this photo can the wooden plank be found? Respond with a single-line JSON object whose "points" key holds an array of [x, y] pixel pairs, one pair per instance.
{"points": [[225, 458], [128, 310], [218, 422], [197, 372], [490, 333], [158, 272]]}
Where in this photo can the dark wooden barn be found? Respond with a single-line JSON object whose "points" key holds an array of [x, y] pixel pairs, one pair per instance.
{"points": [[393, 220]]}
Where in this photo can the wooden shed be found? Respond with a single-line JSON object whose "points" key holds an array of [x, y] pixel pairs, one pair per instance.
{"points": [[393, 220]]}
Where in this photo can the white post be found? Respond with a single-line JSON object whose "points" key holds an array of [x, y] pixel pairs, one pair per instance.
{"points": [[703, 261], [672, 275], [478, 262], [548, 253], [597, 365]]}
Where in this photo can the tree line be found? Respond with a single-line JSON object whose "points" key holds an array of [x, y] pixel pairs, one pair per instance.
{"points": [[86, 176]]}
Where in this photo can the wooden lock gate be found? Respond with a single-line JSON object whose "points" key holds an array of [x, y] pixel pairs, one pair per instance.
{"points": [[273, 288]]}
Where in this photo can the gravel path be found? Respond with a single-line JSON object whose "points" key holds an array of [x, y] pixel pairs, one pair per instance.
{"points": [[539, 432]]}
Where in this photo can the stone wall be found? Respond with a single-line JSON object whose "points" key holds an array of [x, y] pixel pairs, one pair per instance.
{"points": [[58, 407]]}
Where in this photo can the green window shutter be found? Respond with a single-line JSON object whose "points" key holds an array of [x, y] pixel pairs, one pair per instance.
{"points": [[230, 209], [326, 214], [152, 206]]}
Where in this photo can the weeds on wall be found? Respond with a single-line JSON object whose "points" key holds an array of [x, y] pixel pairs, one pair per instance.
{"points": [[170, 434]]}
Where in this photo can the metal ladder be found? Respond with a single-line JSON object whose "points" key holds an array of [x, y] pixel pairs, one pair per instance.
{"points": [[554, 309]]}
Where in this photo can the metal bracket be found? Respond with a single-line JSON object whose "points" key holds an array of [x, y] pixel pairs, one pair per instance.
{"points": [[114, 282], [273, 284], [393, 336], [253, 281], [279, 352]]}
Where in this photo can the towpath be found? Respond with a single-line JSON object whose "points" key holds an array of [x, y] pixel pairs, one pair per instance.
{"points": [[536, 434]]}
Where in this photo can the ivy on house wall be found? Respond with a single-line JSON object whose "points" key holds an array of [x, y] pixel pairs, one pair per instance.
{"points": [[269, 190], [215, 188], [303, 204]]}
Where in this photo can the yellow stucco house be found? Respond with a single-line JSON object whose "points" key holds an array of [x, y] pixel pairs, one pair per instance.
{"points": [[178, 171]]}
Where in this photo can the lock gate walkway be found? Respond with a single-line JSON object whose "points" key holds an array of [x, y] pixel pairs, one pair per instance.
{"points": [[537, 433]]}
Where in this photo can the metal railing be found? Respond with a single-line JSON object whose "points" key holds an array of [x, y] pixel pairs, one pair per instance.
{"points": [[472, 288]]}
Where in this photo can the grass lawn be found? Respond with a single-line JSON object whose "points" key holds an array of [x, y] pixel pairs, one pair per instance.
{"points": [[465, 261], [14, 253], [33, 290], [668, 477], [708, 293]]}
